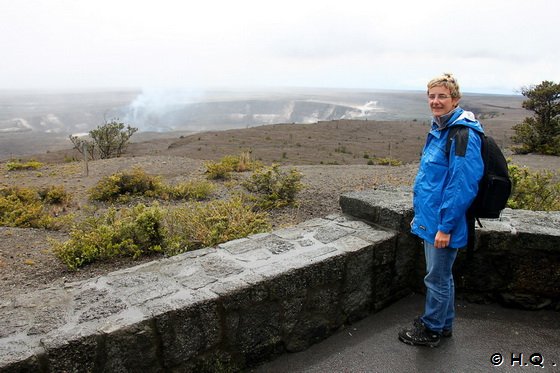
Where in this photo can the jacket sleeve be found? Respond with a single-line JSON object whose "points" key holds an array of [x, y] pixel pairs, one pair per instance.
{"points": [[465, 171]]}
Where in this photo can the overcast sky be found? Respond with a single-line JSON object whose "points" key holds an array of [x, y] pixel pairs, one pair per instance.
{"points": [[491, 46]]}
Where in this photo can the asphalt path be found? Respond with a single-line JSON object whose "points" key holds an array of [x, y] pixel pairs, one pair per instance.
{"points": [[486, 338]]}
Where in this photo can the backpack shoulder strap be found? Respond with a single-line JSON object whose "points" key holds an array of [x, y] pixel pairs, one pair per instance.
{"points": [[461, 135]]}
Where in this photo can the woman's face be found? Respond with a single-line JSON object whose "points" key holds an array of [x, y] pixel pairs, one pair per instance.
{"points": [[440, 100]]}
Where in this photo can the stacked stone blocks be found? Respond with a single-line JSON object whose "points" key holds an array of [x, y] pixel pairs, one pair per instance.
{"points": [[227, 307]]}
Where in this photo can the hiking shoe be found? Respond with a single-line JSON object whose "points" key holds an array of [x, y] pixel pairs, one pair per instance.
{"points": [[419, 335], [445, 333]]}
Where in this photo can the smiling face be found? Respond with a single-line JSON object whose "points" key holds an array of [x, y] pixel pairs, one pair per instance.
{"points": [[440, 100]]}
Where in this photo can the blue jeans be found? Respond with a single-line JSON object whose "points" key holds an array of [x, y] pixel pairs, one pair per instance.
{"points": [[439, 310]]}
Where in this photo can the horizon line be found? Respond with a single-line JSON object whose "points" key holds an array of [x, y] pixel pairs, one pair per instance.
{"points": [[210, 89]]}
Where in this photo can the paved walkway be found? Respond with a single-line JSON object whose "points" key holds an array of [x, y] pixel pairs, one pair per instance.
{"points": [[525, 341]]}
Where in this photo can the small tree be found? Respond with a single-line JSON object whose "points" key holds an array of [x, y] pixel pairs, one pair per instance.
{"points": [[541, 132], [108, 140], [79, 143], [111, 139]]}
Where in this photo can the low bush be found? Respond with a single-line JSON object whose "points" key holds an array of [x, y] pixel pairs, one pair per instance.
{"points": [[128, 232], [274, 188], [230, 163], [55, 195], [121, 186], [141, 230], [385, 162], [208, 224], [18, 165], [222, 169], [25, 208], [532, 190], [190, 190]]}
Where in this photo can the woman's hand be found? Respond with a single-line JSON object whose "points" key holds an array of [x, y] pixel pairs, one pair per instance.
{"points": [[442, 240]]}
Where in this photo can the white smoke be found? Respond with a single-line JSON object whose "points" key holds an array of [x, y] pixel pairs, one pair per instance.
{"points": [[369, 109], [153, 109], [51, 123], [15, 125], [312, 118], [288, 110], [164, 110], [269, 118]]}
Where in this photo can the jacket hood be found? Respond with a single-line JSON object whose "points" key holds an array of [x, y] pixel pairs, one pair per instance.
{"points": [[465, 118], [458, 116]]}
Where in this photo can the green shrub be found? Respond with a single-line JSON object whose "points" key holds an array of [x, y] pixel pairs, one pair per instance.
{"points": [[55, 195], [22, 207], [220, 170], [123, 185], [22, 194], [274, 188], [18, 165], [208, 224], [191, 190], [127, 232], [138, 231], [532, 190], [230, 163], [385, 162]]}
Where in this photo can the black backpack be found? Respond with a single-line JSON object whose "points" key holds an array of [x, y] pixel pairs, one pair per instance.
{"points": [[494, 188]]}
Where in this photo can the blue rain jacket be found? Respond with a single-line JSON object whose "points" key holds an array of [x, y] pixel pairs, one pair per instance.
{"points": [[446, 184]]}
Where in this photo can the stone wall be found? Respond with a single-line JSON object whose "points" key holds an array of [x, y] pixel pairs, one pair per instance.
{"points": [[233, 306], [219, 308], [516, 259]]}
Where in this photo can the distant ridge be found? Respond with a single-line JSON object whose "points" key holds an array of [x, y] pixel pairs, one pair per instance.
{"points": [[39, 122]]}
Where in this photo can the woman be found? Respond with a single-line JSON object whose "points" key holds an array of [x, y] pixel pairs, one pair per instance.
{"points": [[445, 186]]}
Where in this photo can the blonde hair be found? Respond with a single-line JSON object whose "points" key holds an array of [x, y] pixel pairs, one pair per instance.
{"points": [[448, 81]]}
